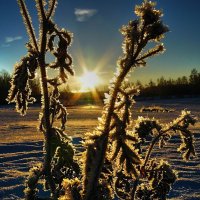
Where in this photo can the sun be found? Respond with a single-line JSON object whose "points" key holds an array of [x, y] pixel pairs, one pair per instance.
{"points": [[89, 80]]}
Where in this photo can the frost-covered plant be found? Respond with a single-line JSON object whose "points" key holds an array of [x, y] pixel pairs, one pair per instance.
{"points": [[117, 161], [59, 152], [118, 156]]}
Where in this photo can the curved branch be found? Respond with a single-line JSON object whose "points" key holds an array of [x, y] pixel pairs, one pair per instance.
{"points": [[155, 140], [151, 148]]}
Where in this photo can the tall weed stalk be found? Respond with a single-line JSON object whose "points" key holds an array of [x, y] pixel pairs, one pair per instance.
{"points": [[118, 141], [59, 152]]}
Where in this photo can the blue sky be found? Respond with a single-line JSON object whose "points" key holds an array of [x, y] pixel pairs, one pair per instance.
{"points": [[97, 40]]}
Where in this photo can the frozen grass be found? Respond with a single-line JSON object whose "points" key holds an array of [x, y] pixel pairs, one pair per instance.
{"points": [[21, 145]]}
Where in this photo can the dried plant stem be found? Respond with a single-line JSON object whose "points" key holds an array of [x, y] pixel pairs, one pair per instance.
{"points": [[45, 95], [50, 10], [151, 148], [145, 162], [106, 129], [47, 162], [156, 139], [27, 21], [120, 78]]}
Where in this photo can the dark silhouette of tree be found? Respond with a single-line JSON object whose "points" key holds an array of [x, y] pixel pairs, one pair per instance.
{"points": [[4, 85], [180, 87], [194, 76]]}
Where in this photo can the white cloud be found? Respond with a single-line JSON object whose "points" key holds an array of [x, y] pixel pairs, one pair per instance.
{"points": [[84, 14], [12, 39]]}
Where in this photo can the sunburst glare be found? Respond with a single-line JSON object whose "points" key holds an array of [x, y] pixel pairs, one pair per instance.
{"points": [[89, 80]]}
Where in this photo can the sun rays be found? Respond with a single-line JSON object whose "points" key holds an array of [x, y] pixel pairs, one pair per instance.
{"points": [[89, 81]]}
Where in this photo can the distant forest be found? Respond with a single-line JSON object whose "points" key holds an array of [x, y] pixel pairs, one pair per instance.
{"points": [[162, 88], [180, 87]]}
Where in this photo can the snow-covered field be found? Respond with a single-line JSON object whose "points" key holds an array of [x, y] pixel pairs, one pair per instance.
{"points": [[21, 145]]}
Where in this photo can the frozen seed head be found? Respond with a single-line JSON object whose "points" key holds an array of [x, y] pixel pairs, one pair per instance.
{"points": [[148, 13]]}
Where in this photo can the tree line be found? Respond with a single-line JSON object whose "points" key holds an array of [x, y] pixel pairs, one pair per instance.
{"points": [[5, 79], [180, 87]]}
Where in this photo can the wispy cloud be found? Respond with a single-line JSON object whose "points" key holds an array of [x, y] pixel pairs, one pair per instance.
{"points": [[12, 39], [5, 45], [84, 14]]}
